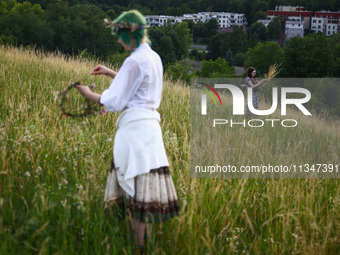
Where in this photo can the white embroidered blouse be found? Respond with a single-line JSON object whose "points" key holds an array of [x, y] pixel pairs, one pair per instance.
{"points": [[138, 83]]}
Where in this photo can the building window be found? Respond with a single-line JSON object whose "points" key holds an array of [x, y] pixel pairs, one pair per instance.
{"points": [[319, 27], [319, 21], [314, 21]]}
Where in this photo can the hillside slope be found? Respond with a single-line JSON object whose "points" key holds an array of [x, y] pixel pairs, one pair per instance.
{"points": [[53, 173]]}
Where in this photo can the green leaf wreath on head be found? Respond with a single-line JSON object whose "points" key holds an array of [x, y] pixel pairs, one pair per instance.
{"points": [[87, 108]]}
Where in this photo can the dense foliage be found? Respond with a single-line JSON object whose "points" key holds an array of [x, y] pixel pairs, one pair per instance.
{"points": [[254, 10], [79, 30]]}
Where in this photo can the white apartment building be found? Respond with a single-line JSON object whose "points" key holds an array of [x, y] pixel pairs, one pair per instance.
{"points": [[288, 8], [294, 26], [318, 24], [331, 29], [224, 19], [161, 20], [326, 22], [231, 19]]}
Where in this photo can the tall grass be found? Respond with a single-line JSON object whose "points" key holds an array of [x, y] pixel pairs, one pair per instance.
{"points": [[53, 173]]}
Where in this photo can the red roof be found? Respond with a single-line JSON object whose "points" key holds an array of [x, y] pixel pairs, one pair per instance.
{"points": [[328, 14], [291, 13]]}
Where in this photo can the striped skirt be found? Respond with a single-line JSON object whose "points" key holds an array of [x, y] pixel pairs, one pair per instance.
{"points": [[155, 198]]}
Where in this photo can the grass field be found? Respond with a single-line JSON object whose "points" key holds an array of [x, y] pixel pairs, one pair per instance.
{"points": [[53, 174]]}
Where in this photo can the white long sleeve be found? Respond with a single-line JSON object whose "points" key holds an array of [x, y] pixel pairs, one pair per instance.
{"points": [[138, 84]]}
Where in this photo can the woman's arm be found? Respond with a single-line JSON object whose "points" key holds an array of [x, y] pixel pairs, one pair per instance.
{"points": [[100, 69], [257, 84], [87, 93]]}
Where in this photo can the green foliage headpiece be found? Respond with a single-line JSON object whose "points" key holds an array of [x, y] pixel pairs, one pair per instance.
{"points": [[130, 25]]}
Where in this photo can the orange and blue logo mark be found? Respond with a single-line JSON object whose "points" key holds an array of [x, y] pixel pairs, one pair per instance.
{"points": [[208, 92]]}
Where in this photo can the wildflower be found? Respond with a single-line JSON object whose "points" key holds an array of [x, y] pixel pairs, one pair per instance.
{"points": [[64, 202], [79, 186], [55, 96], [27, 174], [64, 181], [103, 112], [38, 170]]}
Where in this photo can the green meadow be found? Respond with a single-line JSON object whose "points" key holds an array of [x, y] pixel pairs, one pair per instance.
{"points": [[53, 172]]}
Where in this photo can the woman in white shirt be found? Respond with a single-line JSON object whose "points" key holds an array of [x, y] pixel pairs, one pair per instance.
{"points": [[139, 173]]}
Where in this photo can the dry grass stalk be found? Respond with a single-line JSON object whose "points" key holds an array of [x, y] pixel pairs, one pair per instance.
{"points": [[273, 71]]}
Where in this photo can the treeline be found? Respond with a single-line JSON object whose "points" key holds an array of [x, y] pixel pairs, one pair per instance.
{"points": [[252, 9], [79, 30], [70, 29]]}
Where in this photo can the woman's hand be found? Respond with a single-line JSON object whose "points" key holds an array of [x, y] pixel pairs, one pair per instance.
{"points": [[100, 69], [263, 81], [84, 90], [87, 93]]}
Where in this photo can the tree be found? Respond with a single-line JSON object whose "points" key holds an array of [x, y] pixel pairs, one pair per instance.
{"points": [[337, 60], [239, 59], [218, 68], [237, 40], [163, 45], [264, 55], [6, 6], [206, 30], [111, 14], [181, 70], [308, 31], [212, 27], [229, 57], [254, 40], [258, 6], [259, 29], [274, 28], [178, 10], [196, 55], [259, 15], [25, 23], [217, 46], [199, 30], [185, 38], [6, 40], [309, 56]]}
